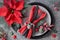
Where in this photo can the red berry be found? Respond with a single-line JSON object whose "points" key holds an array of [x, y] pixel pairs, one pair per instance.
{"points": [[3, 38], [36, 29], [54, 35], [14, 36]]}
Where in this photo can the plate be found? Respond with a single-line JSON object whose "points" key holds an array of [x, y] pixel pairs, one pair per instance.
{"points": [[50, 18], [47, 19]]}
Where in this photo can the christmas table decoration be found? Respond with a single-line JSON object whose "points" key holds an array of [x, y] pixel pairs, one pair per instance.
{"points": [[32, 20], [28, 29]]}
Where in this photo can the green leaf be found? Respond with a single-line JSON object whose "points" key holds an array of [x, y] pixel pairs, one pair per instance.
{"points": [[26, 5], [11, 33], [23, 11], [1, 4], [54, 30]]}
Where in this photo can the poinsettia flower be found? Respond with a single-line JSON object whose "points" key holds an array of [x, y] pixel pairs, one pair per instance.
{"points": [[11, 11]]}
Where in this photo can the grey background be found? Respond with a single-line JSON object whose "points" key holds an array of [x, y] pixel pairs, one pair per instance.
{"points": [[56, 14]]}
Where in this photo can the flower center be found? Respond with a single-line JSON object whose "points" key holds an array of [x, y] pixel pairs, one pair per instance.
{"points": [[12, 11]]}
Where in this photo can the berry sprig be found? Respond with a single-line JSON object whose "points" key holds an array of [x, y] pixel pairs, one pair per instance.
{"points": [[46, 27]]}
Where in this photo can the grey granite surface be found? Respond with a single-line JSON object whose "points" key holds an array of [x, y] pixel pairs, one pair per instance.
{"points": [[56, 14]]}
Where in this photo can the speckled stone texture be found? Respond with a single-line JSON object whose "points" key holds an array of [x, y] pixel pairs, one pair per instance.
{"points": [[56, 14]]}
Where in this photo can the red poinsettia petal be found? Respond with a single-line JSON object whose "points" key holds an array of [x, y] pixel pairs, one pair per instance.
{"points": [[17, 19], [3, 11], [9, 22], [8, 3], [17, 13], [5, 2], [20, 5], [7, 18], [13, 1]]}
